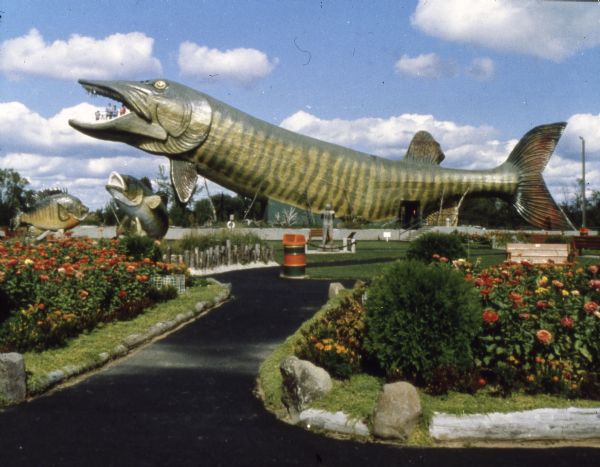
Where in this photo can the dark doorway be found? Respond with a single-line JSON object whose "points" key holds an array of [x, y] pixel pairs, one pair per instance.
{"points": [[410, 215]]}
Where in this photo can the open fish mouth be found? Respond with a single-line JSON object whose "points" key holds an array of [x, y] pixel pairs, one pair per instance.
{"points": [[117, 187], [135, 122]]}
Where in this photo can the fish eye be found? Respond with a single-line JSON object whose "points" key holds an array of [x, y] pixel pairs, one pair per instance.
{"points": [[160, 84]]}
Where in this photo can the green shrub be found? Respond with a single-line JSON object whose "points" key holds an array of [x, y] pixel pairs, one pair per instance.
{"points": [[430, 244], [334, 341], [420, 324], [140, 247]]}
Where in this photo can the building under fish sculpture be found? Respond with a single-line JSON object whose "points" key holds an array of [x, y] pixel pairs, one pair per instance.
{"points": [[144, 209], [52, 210], [201, 135]]}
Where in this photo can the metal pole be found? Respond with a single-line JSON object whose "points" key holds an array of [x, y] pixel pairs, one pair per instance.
{"points": [[582, 181]]}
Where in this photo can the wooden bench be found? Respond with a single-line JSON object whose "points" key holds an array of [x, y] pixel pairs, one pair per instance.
{"points": [[314, 234], [538, 253], [590, 242]]}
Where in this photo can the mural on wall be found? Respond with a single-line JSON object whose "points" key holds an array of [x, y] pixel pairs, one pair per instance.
{"points": [[201, 135], [53, 210], [145, 212]]}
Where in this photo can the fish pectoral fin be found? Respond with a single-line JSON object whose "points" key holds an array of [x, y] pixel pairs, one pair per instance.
{"points": [[153, 201], [183, 177], [63, 213]]}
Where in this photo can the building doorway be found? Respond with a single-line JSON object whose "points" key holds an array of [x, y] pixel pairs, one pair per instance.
{"points": [[410, 214]]}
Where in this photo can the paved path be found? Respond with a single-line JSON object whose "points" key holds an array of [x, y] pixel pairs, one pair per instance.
{"points": [[187, 400]]}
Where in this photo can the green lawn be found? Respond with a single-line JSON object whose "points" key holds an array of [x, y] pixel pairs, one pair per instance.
{"points": [[369, 258]]}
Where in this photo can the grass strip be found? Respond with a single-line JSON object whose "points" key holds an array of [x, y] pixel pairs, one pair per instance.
{"points": [[84, 351]]}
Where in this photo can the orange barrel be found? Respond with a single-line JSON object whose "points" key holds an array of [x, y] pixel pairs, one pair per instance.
{"points": [[294, 256]]}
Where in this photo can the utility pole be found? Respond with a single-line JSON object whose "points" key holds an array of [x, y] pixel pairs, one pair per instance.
{"points": [[582, 182]]}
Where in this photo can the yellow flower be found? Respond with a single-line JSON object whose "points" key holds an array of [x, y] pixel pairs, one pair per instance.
{"points": [[543, 281], [575, 293], [565, 293], [541, 290], [28, 261]]}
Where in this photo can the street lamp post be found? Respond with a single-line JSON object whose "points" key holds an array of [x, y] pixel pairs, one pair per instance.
{"points": [[582, 182]]}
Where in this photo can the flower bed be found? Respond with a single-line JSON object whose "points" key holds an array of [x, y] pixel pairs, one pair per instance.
{"points": [[539, 331], [57, 289], [540, 327]]}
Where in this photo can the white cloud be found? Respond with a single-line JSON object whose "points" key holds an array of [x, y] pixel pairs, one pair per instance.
{"points": [[425, 66], [549, 30], [481, 68], [242, 65], [385, 137], [22, 128], [117, 55]]}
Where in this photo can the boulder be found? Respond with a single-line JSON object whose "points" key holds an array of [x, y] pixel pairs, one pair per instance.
{"points": [[334, 289], [13, 388], [303, 382], [397, 412]]}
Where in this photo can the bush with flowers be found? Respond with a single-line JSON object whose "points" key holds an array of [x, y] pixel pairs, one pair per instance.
{"points": [[57, 289], [334, 340]]}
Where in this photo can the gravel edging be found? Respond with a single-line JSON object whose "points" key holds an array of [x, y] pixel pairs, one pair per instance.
{"points": [[131, 342]]}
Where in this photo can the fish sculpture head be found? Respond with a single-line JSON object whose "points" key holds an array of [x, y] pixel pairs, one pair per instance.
{"points": [[162, 117], [127, 190]]}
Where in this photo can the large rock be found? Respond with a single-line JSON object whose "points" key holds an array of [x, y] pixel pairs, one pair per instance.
{"points": [[303, 382], [13, 387], [397, 412], [335, 288]]}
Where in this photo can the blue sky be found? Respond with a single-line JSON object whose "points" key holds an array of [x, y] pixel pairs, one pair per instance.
{"points": [[477, 74]]}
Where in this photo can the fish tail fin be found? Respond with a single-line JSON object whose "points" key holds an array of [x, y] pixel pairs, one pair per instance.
{"points": [[532, 200]]}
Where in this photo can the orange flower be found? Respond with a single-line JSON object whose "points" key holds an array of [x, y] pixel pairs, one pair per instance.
{"points": [[490, 316], [544, 336], [590, 307]]}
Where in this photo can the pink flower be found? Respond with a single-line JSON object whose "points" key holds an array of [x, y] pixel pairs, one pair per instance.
{"points": [[566, 322]]}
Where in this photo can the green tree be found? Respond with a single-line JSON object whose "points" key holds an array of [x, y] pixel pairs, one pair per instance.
{"points": [[14, 195]]}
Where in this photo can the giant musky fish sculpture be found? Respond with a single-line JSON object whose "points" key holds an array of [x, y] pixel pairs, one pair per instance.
{"points": [[201, 135]]}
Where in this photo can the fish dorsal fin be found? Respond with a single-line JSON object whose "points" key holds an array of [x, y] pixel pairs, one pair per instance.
{"points": [[423, 148], [153, 201], [183, 177]]}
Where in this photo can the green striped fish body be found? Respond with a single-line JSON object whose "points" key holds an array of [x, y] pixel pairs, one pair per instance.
{"points": [[249, 156]]}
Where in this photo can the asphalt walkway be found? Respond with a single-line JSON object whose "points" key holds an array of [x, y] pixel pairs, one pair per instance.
{"points": [[187, 400]]}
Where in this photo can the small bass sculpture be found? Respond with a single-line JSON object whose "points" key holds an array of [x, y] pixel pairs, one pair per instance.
{"points": [[201, 135], [53, 210], [140, 204]]}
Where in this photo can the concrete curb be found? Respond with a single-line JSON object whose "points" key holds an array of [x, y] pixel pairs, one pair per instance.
{"points": [[131, 342]]}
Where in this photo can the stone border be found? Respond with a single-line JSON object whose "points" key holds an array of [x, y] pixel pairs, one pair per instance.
{"points": [[569, 424], [131, 342]]}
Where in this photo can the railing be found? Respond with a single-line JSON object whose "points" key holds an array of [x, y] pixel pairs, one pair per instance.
{"points": [[221, 255]]}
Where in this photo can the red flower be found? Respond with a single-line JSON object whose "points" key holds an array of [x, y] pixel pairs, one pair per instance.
{"points": [[544, 336], [595, 284], [524, 316], [542, 304], [490, 316], [566, 322], [122, 294]]}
